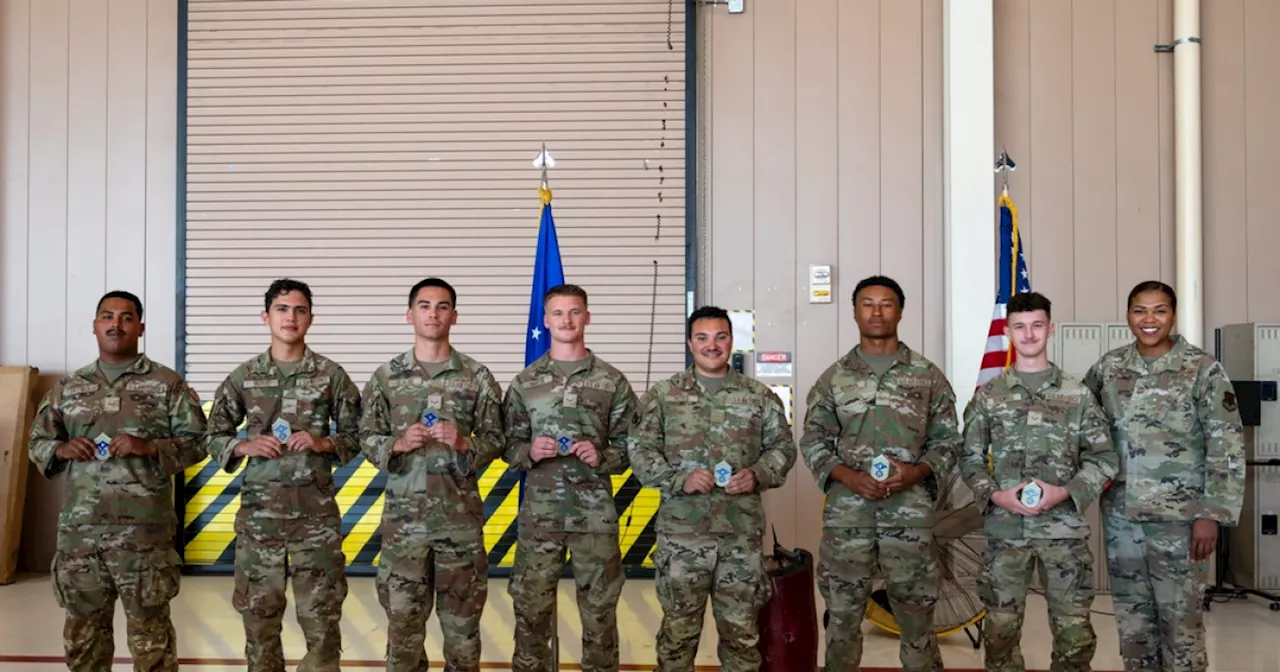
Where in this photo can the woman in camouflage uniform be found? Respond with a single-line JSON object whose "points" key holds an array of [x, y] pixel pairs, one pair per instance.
{"points": [[1175, 425]]}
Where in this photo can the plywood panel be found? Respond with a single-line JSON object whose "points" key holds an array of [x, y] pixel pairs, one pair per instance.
{"points": [[817, 219], [858, 139], [1225, 216], [160, 187], [15, 85], [1137, 152], [1052, 166], [1262, 155], [126, 146], [901, 145], [47, 288], [86, 176], [1093, 71], [775, 204], [733, 137]]}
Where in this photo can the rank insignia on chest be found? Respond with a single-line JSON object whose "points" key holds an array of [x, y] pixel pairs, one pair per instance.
{"points": [[723, 473], [281, 430], [1030, 495], [563, 444], [290, 406], [717, 416], [880, 468], [1035, 418], [429, 418], [111, 404], [101, 444]]}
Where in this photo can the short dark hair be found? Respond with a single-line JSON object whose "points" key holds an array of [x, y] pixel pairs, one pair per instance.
{"points": [[1029, 302], [880, 281], [705, 313], [1153, 286], [433, 282], [284, 286], [120, 294], [565, 290]]}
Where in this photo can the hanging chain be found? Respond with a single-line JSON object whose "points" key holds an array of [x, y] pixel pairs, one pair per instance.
{"points": [[662, 178]]}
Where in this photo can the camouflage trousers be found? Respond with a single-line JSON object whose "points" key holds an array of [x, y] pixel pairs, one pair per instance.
{"points": [[1158, 592], [415, 569], [91, 569], [597, 571], [1066, 567], [267, 550], [730, 571], [848, 561]]}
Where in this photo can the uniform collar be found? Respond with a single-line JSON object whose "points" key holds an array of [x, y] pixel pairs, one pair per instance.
{"points": [[1169, 361], [141, 366], [853, 362], [688, 381], [266, 365], [1012, 379], [545, 365], [406, 361]]}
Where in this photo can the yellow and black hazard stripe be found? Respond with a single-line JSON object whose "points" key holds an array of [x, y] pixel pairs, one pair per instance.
{"points": [[210, 497]]}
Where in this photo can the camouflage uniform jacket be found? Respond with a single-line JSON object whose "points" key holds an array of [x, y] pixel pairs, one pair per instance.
{"points": [[436, 481], [1178, 433], [853, 417], [595, 404], [681, 427], [149, 401], [1057, 434], [317, 396]]}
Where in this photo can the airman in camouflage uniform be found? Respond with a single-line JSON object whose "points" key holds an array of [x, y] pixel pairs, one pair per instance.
{"points": [[287, 507], [568, 493], [880, 399], [1034, 425], [432, 420], [120, 429], [1178, 432], [710, 440]]}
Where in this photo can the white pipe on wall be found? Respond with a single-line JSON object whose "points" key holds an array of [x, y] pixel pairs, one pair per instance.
{"points": [[1188, 208]]}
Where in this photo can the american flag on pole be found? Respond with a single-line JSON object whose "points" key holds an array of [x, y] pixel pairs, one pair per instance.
{"points": [[1014, 279]]}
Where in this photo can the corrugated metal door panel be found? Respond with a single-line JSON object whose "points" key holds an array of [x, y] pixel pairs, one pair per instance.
{"points": [[363, 146]]}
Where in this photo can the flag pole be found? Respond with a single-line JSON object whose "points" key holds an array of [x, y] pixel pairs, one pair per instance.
{"points": [[544, 161]]}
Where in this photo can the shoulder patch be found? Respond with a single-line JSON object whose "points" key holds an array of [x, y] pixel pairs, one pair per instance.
{"points": [[1229, 401], [635, 419]]}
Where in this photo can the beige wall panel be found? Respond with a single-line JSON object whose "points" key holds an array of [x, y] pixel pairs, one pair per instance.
{"points": [[15, 93], [1137, 151], [775, 210], [47, 223], [126, 145], [1226, 224], [829, 152], [732, 114], [1164, 11], [1093, 76], [1013, 117], [78, 106], [933, 299], [859, 170], [817, 218], [1262, 156], [87, 177], [1051, 164], [901, 149], [161, 138]]}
